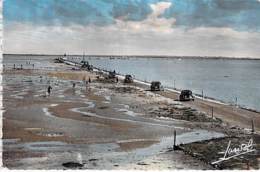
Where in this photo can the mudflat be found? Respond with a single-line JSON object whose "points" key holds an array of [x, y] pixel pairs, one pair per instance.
{"points": [[107, 125]]}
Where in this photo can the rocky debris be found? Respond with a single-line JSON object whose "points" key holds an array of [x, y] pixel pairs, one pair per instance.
{"points": [[72, 165], [105, 79], [92, 159], [103, 107], [126, 89], [183, 113], [142, 163]]}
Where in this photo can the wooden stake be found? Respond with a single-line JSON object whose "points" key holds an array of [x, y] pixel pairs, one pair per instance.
{"points": [[212, 112], [174, 142], [253, 126]]}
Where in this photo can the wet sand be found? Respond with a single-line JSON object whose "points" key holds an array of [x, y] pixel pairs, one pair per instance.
{"points": [[102, 126]]}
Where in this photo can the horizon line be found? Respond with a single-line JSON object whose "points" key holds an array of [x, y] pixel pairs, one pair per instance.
{"points": [[151, 56]]}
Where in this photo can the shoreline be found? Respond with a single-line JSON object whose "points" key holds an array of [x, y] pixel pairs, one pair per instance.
{"points": [[142, 56]]}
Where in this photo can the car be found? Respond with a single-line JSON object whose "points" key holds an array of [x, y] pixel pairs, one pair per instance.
{"points": [[128, 79], [186, 95], [156, 86]]}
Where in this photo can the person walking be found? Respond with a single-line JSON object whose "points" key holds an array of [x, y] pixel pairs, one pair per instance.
{"points": [[49, 90]]}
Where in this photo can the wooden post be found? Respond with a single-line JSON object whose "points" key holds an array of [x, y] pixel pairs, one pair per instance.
{"points": [[253, 126], [212, 112], [14, 66], [202, 94], [174, 141]]}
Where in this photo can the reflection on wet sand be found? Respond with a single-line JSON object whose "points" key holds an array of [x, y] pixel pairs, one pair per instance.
{"points": [[99, 126]]}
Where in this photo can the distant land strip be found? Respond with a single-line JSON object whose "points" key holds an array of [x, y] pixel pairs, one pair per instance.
{"points": [[141, 56]]}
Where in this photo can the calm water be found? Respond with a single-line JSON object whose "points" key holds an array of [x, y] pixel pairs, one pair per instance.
{"points": [[221, 79]]}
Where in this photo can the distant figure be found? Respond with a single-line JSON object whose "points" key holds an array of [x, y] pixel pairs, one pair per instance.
{"points": [[117, 79], [74, 84], [14, 66], [33, 66], [21, 66], [49, 90], [89, 80]]}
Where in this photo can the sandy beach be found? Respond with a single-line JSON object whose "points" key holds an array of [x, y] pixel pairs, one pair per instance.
{"points": [[107, 125]]}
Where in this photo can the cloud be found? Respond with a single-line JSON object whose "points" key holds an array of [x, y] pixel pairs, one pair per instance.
{"points": [[237, 14], [68, 12], [133, 27], [153, 22], [26, 38]]}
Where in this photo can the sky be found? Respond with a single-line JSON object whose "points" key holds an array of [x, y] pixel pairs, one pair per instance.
{"points": [[228, 28]]}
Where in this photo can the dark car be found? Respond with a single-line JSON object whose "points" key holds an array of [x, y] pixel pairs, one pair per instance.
{"points": [[86, 65], [112, 75], [186, 95], [58, 60], [156, 86], [128, 79]]}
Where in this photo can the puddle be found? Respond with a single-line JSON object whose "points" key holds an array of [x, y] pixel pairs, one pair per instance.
{"points": [[103, 152], [10, 141], [78, 92], [32, 129], [125, 106], [51, 134], [20, 95], [135, 140], [90, 104], [79, 110], [47, 113], [103, 147], [167, 142], [108, 98], [46, 146], [127, 112], [53, 105]]}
